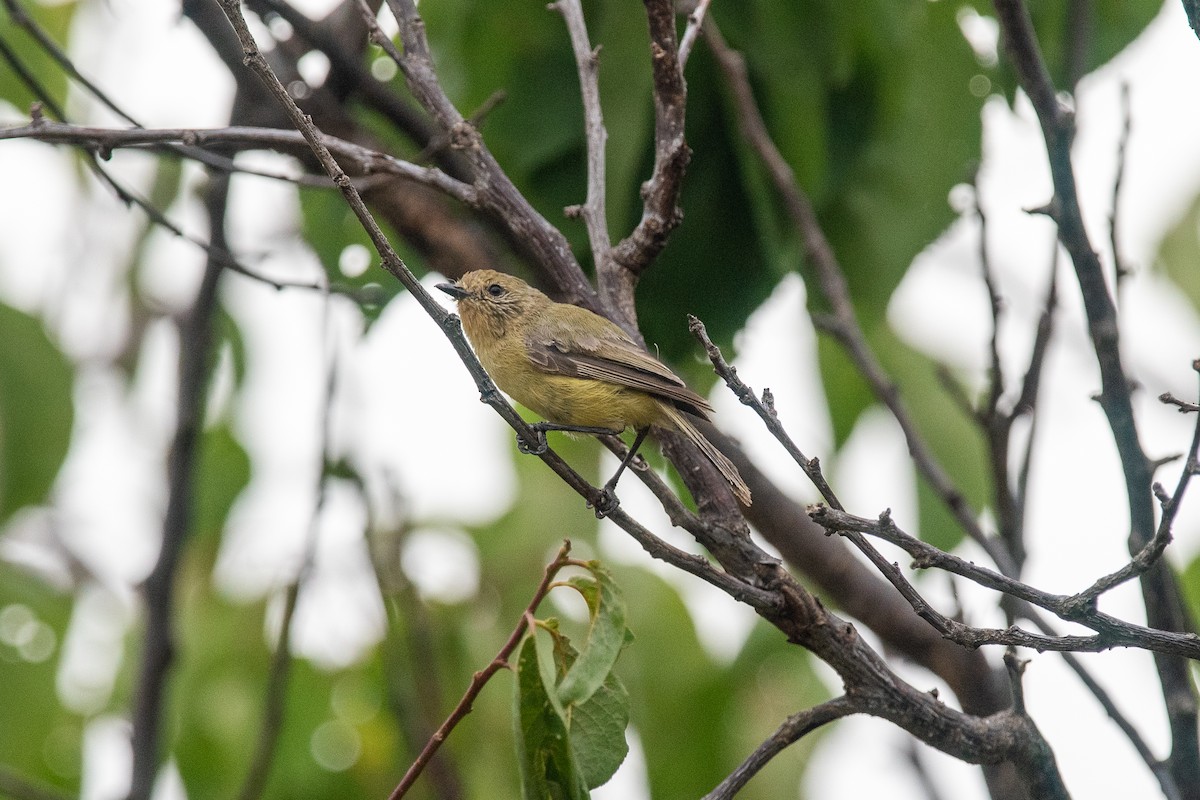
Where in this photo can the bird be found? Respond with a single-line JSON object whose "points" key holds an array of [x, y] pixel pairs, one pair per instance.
{"points": [[578, 370]]}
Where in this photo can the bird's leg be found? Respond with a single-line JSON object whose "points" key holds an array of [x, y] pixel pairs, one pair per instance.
{"points": [[540, 428], [608, 498]]}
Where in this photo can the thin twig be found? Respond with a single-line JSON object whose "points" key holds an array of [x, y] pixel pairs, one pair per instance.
{"points": [[480, 678], [1111, 631], [791, 731], [1149, 555], [765, 408], [996, 423], [695, 24], [594, 210], [1182, 406], [366, 160]]}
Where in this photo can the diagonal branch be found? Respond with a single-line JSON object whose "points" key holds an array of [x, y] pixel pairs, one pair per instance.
{"points": [[484, 675], [691, 33], [793, 729]]}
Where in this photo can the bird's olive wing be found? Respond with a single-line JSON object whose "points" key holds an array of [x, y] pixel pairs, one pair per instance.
{"points": [[609, 355]]}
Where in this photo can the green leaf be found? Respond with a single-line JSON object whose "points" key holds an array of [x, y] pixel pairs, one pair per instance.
{"points": [[1190, 581], [224, 472], [604, 640], [329, 227], [597, 725], [1179, 252], [954, 438], [39, 738], [598, 732], [544, 755], [55, 19], [674, 687], [36, 411], [848, 392]]}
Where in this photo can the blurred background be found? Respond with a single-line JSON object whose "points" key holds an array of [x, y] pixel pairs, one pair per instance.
{"points": [[345, 462]]}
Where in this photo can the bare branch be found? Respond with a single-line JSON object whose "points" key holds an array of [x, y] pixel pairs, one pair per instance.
{"points": [[1165, 608], [793, 729], [695, 25], [594, 211], [104, 140], [1112, 632], [661, 213], [765, 408]]}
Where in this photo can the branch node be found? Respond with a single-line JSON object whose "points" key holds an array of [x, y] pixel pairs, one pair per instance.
{"points": [[1182, 406], [1050, 209]]}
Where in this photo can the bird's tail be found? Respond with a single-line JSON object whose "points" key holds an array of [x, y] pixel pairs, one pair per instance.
{"points": [[680, 422]]}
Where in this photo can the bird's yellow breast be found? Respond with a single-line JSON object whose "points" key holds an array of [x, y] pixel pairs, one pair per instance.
{"points": [[557, 398]]}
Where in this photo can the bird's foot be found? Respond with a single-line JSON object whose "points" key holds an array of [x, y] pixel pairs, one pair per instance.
{"points": [[539, 446], [606, 503]]}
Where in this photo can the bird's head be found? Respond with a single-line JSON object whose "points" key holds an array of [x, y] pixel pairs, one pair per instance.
{"points": [[493, 298]]}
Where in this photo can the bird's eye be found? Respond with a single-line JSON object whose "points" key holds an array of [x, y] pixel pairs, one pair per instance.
{"points": [[495, 290]]}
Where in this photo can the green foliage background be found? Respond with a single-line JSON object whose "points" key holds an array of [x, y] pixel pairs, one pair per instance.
{"points": [[869, 103]]}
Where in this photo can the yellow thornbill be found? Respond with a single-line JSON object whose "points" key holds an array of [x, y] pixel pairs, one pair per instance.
{"points": [[576, 369]]}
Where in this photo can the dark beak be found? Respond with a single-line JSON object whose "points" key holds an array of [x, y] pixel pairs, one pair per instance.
{"points": [[454, 290]]}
